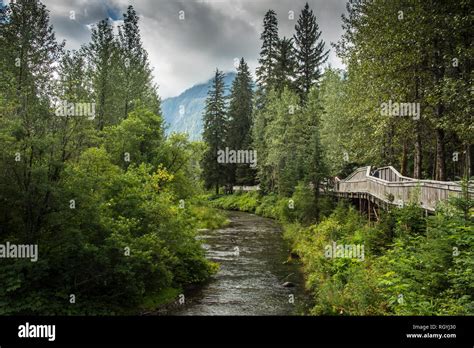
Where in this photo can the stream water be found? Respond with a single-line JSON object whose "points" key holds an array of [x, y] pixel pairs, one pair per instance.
{"points": [[254, 265]]}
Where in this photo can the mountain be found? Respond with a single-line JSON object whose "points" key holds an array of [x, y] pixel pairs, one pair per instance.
{"points": [[192, 103]]}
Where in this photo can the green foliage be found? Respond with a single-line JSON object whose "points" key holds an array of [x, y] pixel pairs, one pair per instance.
{"points": [[433, 271], [137, 139], [85, 248], [290, 150], [302, 207], [136, 81], [155, 300], [268, 208], [415, 272], [243, 202]]}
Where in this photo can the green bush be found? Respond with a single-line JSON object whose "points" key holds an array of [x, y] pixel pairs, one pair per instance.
{"points": [[406, 271], [125, 239]]}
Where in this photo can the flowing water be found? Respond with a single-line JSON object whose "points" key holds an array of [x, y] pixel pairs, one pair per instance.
{"points": [[254, 265]]}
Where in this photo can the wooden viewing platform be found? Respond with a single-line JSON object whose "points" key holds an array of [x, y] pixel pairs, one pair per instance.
{"points": [[387, 187]]}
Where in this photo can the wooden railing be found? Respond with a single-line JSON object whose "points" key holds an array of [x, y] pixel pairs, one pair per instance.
{"points": [[388, 185]]}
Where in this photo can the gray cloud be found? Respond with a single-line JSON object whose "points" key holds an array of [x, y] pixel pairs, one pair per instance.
{"points": [[214, 32]]}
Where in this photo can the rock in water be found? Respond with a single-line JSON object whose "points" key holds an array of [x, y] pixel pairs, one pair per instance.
{"points": [[288, 284]]}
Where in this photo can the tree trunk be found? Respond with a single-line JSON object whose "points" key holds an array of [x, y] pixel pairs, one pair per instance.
{"points": [[316, 199], [469, 163], [440, 156], [418, 154], [440, 171], [404, 163], [418, 159]]}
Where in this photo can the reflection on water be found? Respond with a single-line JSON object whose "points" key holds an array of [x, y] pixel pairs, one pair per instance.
{"points": [[252, 257]]}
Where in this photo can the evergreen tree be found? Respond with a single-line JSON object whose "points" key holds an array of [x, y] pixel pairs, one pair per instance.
{"points": [[285, 66], [136, 83], [268, 54], [310, 53], [103, 55], [240, 123], [265, 81], [214, 133]]}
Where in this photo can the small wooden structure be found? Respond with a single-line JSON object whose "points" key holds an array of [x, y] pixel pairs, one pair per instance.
{"points": [[246, 188]]}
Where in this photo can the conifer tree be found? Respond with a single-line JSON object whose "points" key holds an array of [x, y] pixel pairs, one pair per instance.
{"points": [[268, 53], [136, 83], [310, 53], [214, 133], [265, 82], [240, 123], [285, 65], [103, 55]]}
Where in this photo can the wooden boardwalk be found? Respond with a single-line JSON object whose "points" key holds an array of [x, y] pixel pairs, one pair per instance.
{"points": [[387, 187]]}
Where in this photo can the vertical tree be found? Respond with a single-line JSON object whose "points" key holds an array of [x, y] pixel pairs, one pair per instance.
{"points": [[136, 83], [310, 53], [268, 54], [214, 133], [285, 66], [103, 55], [240, 123], [265, 82]]}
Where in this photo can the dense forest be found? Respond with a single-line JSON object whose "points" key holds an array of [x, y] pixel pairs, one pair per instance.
{"points": [[114, 205]]}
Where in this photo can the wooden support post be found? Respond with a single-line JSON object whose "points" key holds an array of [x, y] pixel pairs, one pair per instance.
{"points": [[376, 214], [368, 209]]}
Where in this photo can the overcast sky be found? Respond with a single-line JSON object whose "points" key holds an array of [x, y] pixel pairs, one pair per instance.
{"points": [[212, 34]]}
